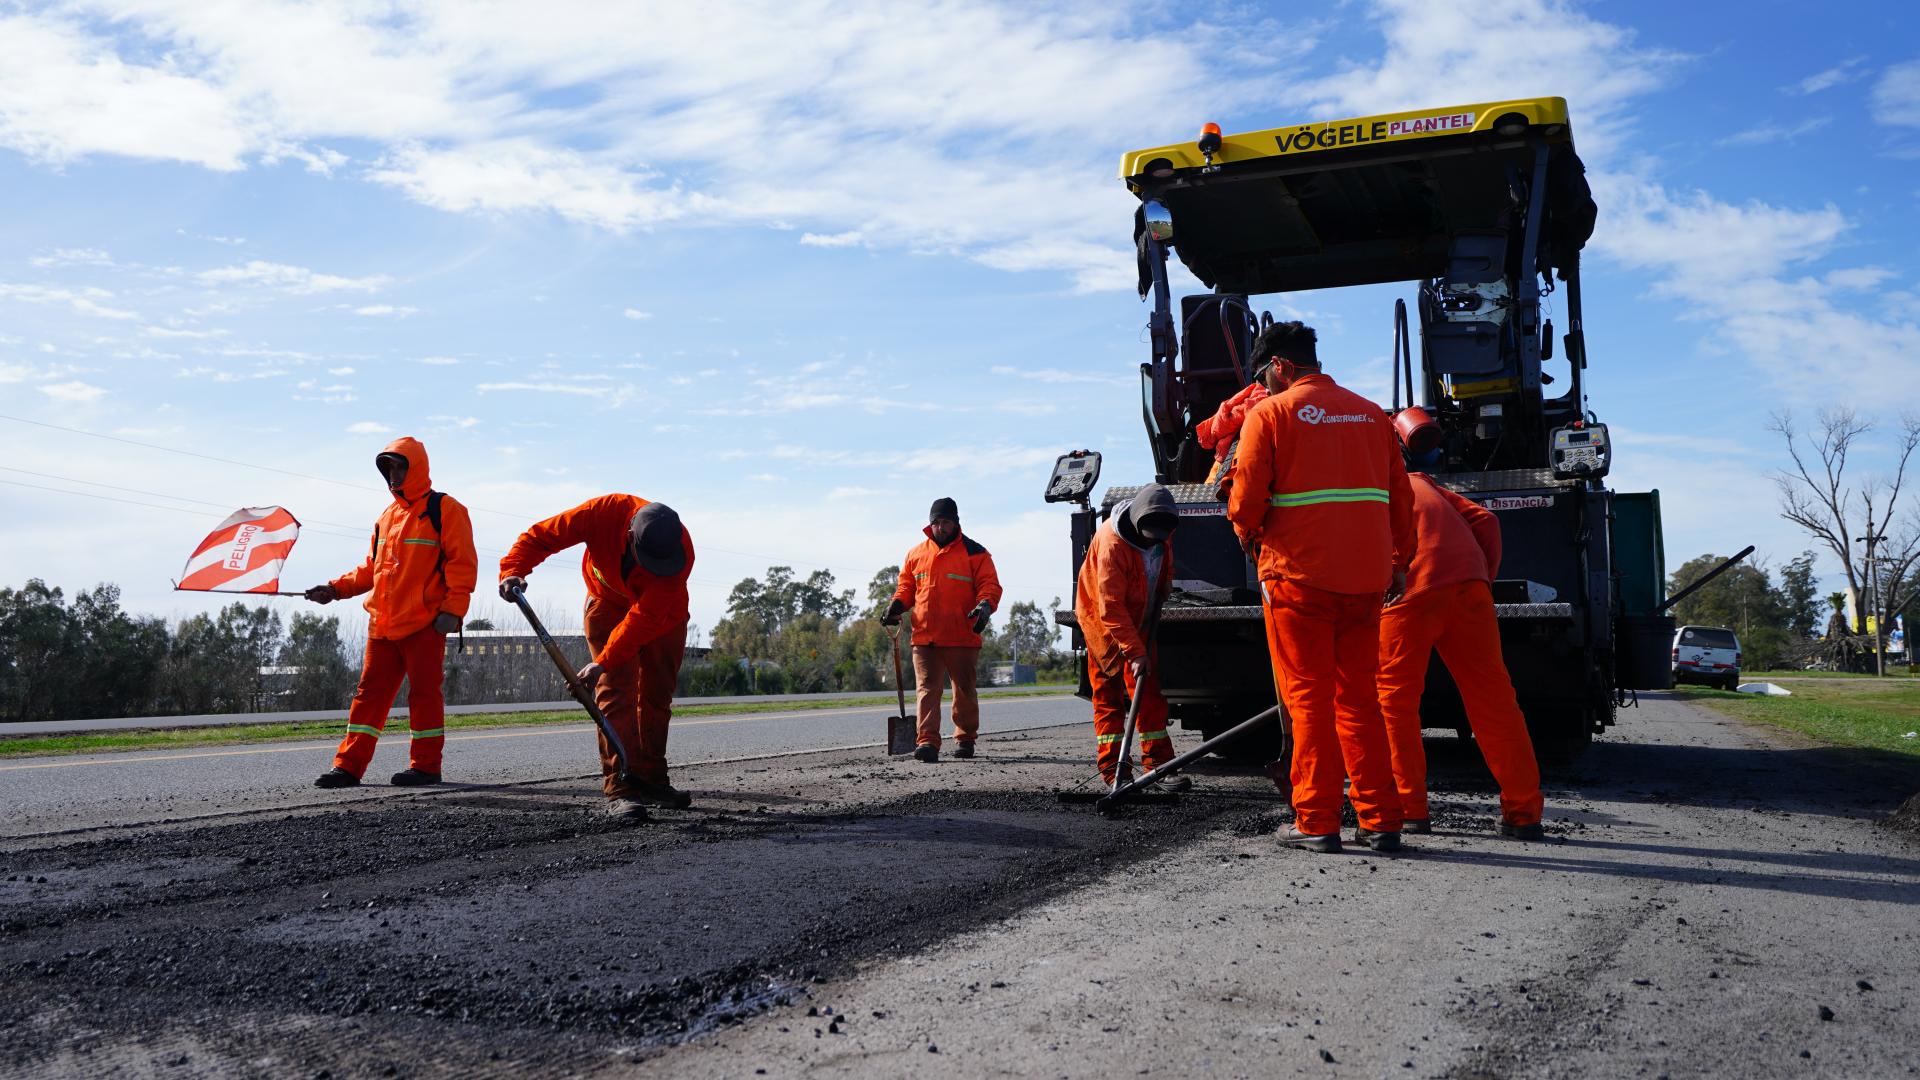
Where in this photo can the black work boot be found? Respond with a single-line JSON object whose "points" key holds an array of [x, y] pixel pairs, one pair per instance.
{"points": [[662, 793], [1535, 831], [1417, 826], [414, 778], [1378, 841], [926, 752], [1325, 845], [337, 778], [964, 750], [1178, 783]]}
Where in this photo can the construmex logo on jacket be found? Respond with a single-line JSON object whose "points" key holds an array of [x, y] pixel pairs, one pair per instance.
{"points": [[1314, 414]]}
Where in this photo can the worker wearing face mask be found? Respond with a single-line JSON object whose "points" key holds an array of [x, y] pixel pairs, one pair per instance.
{"points": [[1128, 564]]}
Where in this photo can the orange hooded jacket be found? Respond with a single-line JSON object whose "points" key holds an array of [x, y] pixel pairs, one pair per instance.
{"points": [[1110, 598], [414, 571], [658, 604], [1457, 539], [942, 585], [1217, 432], [1320, 484]]}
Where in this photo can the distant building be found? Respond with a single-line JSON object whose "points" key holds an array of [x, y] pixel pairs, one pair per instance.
{"points": [[526, 643], [1011, 673]]}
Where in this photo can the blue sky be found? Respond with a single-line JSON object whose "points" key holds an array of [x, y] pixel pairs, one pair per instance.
{"points": [[797, 269]]}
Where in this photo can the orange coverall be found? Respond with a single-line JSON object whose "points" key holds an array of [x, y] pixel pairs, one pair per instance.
{"points": [[942, 585], [1321, 490], [1111, 601], [1448, 607], [412, 573], [636, 625]]}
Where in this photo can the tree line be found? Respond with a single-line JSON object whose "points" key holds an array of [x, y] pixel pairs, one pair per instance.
{"points": [[85, 657]]}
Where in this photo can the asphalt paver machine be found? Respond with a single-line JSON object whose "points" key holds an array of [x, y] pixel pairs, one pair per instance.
{"points": [[1482, 211]]}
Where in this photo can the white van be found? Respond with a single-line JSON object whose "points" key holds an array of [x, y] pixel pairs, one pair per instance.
{"points": [[1708, 654]]}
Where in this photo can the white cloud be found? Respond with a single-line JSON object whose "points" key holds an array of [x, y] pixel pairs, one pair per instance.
{"points": [[1770, 132], [636, 314], [438, 361], [339, 371], [76, 391], [1056, 376], [851, 238], [461, 422], [612, 394], [174, 332], [1844, 72], [1896, 97], [81, 301], [65, 95], [293, 279], [73, 257], [385, 309], [368, 427]]}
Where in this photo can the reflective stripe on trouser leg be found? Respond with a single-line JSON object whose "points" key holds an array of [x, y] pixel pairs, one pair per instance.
{"points": [[1150, 723], [1407, 632], [425, 654], [929, 682], [380, 675], [1469, 644], [1111, 695]]}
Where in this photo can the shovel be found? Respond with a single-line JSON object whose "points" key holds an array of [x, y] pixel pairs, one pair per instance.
{"points": [[903, 731], [581, 692], [1123, 771]]}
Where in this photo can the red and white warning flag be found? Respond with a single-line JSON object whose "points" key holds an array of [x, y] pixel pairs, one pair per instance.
{"points": [[243, 555]]}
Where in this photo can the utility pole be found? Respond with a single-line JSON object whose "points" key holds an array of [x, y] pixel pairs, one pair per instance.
{"points": [[1872, 540]]}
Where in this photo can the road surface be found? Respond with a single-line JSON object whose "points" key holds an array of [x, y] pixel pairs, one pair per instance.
{"points": [[93, 790], [1713, 900]]}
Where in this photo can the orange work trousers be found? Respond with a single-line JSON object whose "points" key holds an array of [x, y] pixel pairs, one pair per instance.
{"points": [[1111, 696], [636, 697], [419, 658], [933, 666], [1326, 650], [1457, 621]]}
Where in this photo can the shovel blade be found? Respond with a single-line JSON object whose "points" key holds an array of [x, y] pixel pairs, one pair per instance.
{"points": [[903, 734]]}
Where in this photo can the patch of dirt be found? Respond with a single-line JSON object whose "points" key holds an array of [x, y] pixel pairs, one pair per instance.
{"points": [[1907, 817]]}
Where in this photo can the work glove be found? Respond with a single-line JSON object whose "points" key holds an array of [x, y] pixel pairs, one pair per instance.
{"points": [[1398, 588], [981, 615], [891, 617], [323, 594], [509, 584], [445, 623], [590, 674]]}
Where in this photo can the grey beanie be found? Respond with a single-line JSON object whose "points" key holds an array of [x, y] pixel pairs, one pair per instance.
{"points": [[654, 538]]}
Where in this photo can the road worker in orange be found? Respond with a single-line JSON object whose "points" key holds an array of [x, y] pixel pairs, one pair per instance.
{"points": [[418, 576], [949, 583], [637, 560], [1448, 606], [1220, 431], [1128, 563], [1320, 499]]}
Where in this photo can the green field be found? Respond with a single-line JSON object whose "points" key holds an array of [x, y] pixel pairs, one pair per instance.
{"points": [[1844, 710], [169, 738]]}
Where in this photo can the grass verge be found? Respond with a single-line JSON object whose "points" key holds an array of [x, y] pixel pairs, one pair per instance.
{"points": [[1860, 711], [236, 735]]}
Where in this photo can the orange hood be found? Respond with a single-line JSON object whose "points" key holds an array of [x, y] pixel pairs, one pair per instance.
{"points": [[419, 481]]}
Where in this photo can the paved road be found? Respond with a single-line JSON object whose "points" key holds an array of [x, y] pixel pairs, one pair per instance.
{"points": [[138, 723], [1713, 900], [64, 793]]}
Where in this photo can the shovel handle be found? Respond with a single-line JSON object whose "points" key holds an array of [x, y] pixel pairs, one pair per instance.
{"points": [[581, 693]]}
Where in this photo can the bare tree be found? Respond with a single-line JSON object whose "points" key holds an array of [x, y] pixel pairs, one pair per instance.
{"points": [[1817, 495]]}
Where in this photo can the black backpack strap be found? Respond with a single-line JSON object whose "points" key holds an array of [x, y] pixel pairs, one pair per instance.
{"points": [[433, 508], [440, 563]]}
